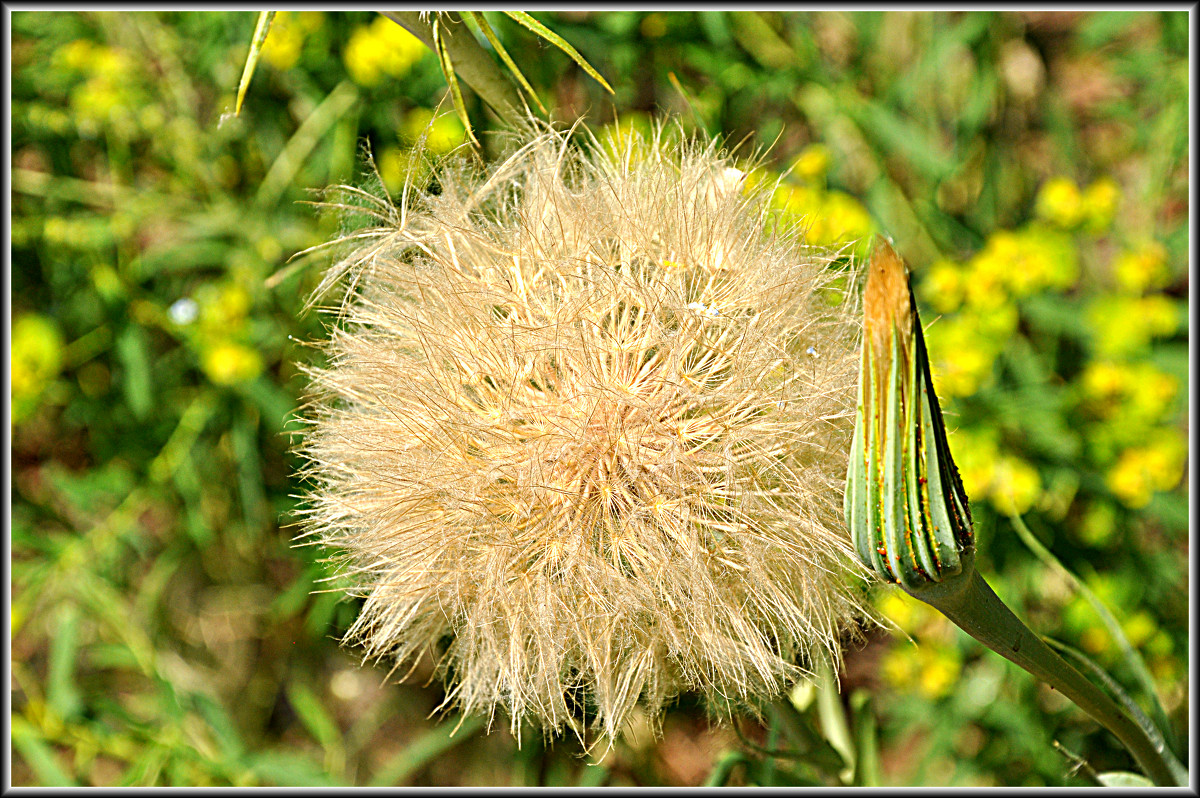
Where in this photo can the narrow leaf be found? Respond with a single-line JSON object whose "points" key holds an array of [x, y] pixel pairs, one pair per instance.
{"points": [[423, 750], [1130, 655], [313, 715], [439, 47], [256, 45], [39, 756], [558, 41], [1152, 731], [486, 27]]}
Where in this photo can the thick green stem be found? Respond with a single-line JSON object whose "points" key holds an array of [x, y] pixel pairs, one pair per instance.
{"points": [[472, 63], [969, 602]]}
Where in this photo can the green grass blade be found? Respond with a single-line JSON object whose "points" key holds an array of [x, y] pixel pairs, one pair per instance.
{"points": [[39, 756], [834, 725], [1131, 657], [62, 692], [1152, 731], [866, 740], [290, 769], [724, 769], [486, 27], [313, 715], [425, 749], [256, 45], [284, 168], [443, 56], [541, 30]]}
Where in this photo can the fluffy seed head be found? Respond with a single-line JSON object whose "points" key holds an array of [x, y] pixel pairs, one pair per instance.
{"points": [[583, 431]]}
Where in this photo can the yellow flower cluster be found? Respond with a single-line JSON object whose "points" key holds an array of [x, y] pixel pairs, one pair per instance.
{"points": [[1132, 394], [36, 355], [1142, 269], [106, 96], [1139, 627], [1062, 203], [929, 669], [1142, 470], [285, 40], [830, 216], [1011, 484], [1132, 403], [381, 48], [443, 131], [1125, 325], [220, 339], [964, 346]]}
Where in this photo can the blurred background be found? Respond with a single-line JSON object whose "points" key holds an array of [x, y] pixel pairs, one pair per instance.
{"points": [[1032, 167]]}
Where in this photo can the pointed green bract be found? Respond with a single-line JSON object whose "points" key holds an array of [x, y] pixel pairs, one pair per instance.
{"points": [[904, 501]]}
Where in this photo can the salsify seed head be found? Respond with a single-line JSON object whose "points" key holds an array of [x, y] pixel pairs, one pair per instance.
{"points": [[583, 431]]}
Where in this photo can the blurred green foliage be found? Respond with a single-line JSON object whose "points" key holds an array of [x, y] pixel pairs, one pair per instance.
{"points": [[1031, 166]]}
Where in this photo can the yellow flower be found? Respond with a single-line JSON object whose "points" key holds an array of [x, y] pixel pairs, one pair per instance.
{"points": [[230, 363], [1100, 201], [36, 352], [1142, 269], [931, 670], [900, 609], [1139, 628], [975, 455], [799, 203], [961, 361], [1104, 380], [939, 671], [812, 163], [444, 132], [626, 128], [1051, 255], [223, 307], [1142, 470], [383, 47], [1059, 202], [944, 286], [284, 41], [1015, 486], [842, 218], [1124, 325], [76, 55]]}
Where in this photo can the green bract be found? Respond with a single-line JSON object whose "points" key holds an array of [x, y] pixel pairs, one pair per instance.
{"points": [[904, 502]]}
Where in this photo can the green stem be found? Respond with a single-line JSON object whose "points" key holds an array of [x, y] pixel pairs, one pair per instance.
{"points": [[970, 603]]}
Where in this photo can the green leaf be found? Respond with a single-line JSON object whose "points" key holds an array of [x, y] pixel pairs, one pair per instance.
{"points": [[866, 740], [295, 153], [423, 750], [724, 769], [484, 26], [38, 755], [222, 725], [832, 716], [558, 41], [62, 692], [1132, 659], [443, 55], [1135, 712], [312, 714], [1123, 778], [289, 769], [256, 45], [133, 351]]}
